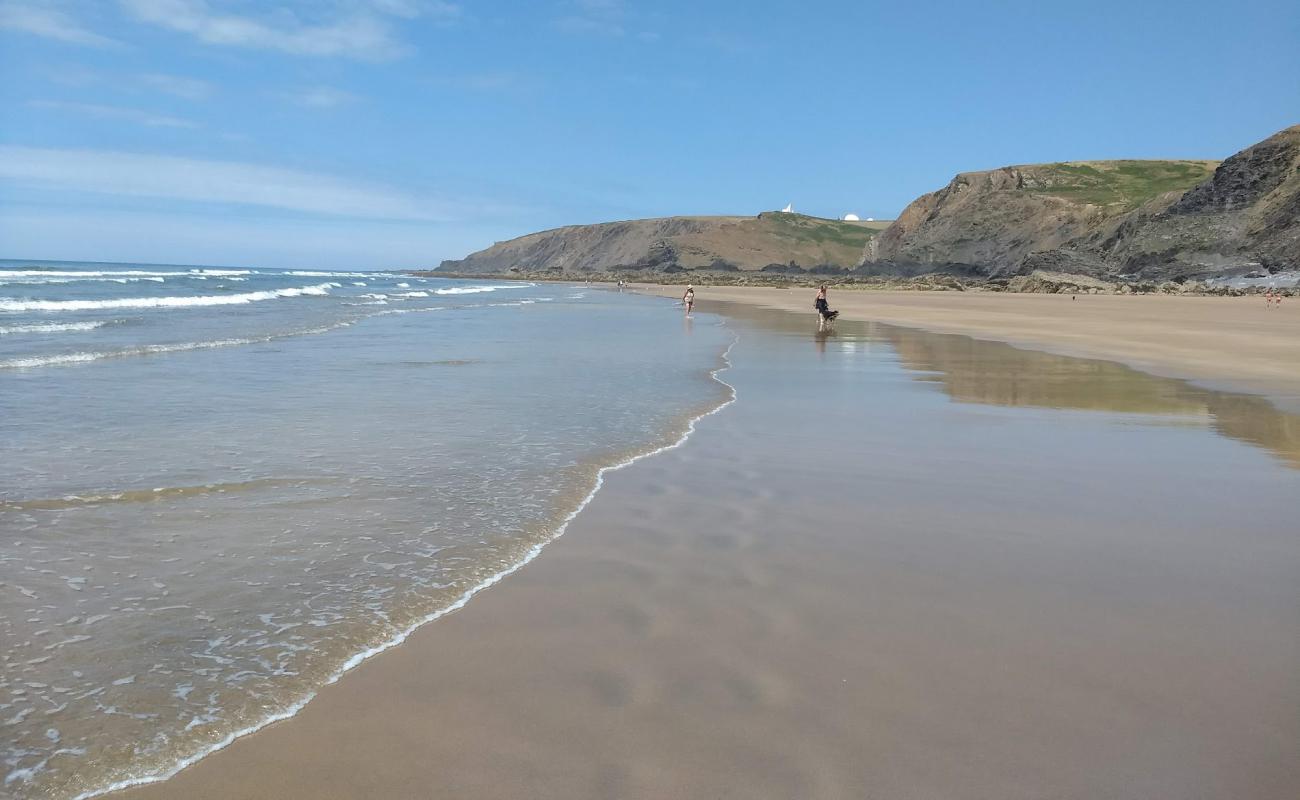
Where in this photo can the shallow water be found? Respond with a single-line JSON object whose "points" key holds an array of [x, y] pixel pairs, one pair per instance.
{"points": [[219, 488]]}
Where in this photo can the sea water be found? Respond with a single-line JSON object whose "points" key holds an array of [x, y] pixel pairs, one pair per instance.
{"points": [[220, 488]]}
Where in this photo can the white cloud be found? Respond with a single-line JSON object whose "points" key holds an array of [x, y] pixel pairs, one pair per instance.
{"points": [[361, 32], [47, 20], [80, 77], [410, 9], [609, 18], [199, 180], [133, 115], [322, 97]]}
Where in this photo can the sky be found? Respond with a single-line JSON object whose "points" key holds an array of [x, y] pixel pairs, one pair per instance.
{"points": [[397, 133]]}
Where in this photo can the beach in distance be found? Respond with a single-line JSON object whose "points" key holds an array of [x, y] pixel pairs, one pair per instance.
{"points": [[899, 563]]}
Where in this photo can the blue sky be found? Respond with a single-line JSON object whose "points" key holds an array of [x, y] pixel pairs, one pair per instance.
{"points": [[396, 133]]}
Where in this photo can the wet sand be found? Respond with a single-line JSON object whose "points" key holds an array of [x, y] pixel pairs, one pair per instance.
{"points": [[901, 565], [1228, 342]]}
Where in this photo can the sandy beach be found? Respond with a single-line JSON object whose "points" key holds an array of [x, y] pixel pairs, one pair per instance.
{"points": [[901, 565], [1230, 342]]}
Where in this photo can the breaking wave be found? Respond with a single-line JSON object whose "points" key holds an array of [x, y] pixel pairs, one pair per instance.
{"points": [[50, 327], [164, 302]]}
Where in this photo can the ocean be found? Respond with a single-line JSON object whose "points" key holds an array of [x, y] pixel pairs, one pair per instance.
{"points": [[222, 488]]}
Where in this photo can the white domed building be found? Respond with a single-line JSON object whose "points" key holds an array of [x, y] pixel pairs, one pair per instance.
{"points": [[850, 218]]}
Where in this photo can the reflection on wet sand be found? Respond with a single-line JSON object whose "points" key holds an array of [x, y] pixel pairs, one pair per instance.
{"points": [[995, 373]]}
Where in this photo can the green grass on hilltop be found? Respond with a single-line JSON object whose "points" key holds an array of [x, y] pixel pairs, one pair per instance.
{"points": [[1121, 185], [832, 232]]}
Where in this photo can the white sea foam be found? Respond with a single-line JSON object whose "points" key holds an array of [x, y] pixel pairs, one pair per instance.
{"points": [[50, 327], [458, 604], [116, 273], [479, 289], [164, 302], [306, 273]]}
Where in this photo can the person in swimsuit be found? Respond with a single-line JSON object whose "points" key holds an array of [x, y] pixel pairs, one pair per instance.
{"points": [[688, 299], [824, 313]]}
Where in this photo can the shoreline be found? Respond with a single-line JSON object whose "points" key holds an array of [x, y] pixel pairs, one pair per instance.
{"points": [[1220, 343], [819, 629], [124, 787]]}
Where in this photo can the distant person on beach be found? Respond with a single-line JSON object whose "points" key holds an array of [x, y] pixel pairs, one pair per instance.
{"points": [[824, 313], [688, 299]]}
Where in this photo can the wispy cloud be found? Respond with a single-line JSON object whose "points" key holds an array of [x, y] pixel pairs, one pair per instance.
{"points": [[50, 21], [80, 77], [321, 97], [607, 18], [204, 181], [360, 32], [133, 115]]}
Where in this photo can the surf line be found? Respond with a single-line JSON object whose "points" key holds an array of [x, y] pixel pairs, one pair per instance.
{"points": [[459, 603]]}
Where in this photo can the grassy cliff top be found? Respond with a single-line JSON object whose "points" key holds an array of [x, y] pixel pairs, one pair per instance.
{"points": [[1121, 185], [818, 230]]}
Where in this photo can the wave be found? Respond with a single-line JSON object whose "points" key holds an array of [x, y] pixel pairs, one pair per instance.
{"points": [[152, 495], [165, 302], [65, 359], [62, 359], [478, 289], [119, 273], [307, 273], [50, 327], [7, 281], [456, 605]]}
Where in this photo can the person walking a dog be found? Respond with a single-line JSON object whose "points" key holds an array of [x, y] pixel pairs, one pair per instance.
{"points": [[824, 313]]}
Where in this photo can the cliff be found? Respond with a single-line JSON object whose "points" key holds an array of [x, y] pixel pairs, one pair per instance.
{"points": [[1154, 220], [772, 240]]}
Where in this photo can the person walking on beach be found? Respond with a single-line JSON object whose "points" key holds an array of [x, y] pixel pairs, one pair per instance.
{"points": [[688, 299], [824, 313]]}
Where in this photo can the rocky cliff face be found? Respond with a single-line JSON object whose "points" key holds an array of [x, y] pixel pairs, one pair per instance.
{"points": [[1246, 216], [994, 220], [773, 241], [1151, 219]]}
